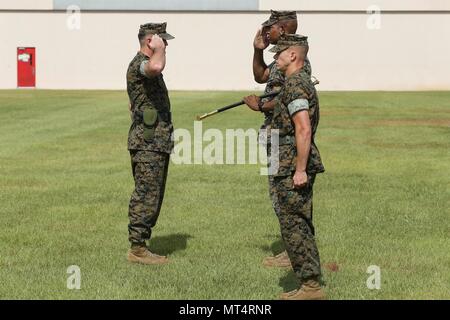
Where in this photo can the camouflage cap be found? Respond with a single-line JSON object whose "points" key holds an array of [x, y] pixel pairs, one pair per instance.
{"points": [[289, 40], [276, 16], [156, 28]]}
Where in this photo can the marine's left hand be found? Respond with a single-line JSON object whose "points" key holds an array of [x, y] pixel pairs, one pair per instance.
{"points": [[300, 179]]}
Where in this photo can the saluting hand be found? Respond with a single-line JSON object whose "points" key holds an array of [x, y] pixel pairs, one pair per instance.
{"points": [[260, 41], [156, 43]]}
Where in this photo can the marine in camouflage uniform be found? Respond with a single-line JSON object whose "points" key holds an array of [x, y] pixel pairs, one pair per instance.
{"points": [[275, 82], [150, 142], [276, 77], [296, 203]]}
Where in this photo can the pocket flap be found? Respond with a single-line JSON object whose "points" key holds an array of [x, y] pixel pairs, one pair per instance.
{"points": [[150, 117]]}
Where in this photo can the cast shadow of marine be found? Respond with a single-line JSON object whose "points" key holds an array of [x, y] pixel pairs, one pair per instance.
{"points": [[166, 245], [288, 281], [275, 248]]}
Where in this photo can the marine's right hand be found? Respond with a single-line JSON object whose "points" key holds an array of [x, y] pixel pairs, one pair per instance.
{"points": [[252, 102], [260, 41], [156, 43]]}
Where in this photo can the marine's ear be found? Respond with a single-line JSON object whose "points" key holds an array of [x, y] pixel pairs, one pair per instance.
{"points": [[293, 55]]}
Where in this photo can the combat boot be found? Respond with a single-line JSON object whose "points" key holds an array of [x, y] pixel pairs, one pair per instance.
{"points": [[310, 290], [280, 260], [141, 254]]}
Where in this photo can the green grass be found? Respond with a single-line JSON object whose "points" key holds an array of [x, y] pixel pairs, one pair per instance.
{"points": [[65, 183]]}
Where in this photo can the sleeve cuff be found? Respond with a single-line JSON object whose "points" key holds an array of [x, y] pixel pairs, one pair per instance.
{"points": [[298, 105], [142, 68]]}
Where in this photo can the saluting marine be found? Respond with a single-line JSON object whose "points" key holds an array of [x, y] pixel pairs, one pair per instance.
{"points": [[278, 24], [150, 139]]}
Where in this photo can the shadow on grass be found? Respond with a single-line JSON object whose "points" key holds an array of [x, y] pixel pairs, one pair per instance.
{"points": [[166, 245], [275, 248], [289, 281]]}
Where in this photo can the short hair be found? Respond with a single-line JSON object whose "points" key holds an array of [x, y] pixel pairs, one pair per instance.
{"points": [[143, 34], [289, 25], [302, 50]]}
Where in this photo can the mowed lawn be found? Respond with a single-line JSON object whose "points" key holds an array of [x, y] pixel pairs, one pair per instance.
{"points": [[65, 183]]}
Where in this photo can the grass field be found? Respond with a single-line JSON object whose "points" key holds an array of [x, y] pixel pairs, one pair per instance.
{"points": [[65, 185]]}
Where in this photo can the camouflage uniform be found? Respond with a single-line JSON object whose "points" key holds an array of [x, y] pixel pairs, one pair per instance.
{"points": [[150, 142], [296, 205], [274, 83]]}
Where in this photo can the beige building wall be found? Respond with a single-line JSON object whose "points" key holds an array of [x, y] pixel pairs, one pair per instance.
{"points": [[26, 4], [305, 5], [356, 5], [213, 51]]}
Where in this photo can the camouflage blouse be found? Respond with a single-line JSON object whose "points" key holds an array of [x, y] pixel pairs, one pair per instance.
{"points": [[275, 83], [297, 94], [148, 94]]}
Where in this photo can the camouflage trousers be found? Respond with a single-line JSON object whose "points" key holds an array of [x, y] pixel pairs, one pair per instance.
{"points": [[264, 139], [295, 217], [272, 194], [273, 197], [150, 174]]}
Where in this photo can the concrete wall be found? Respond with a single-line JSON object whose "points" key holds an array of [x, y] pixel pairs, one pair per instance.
{"points": [[213, 50], [229, 5], [26, 4], [179, 5], [356, 5]]}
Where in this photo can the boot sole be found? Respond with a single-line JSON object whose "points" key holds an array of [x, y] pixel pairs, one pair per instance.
{"points": [[269, 265], [322, 297], [135, 259], [315, 298]]}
